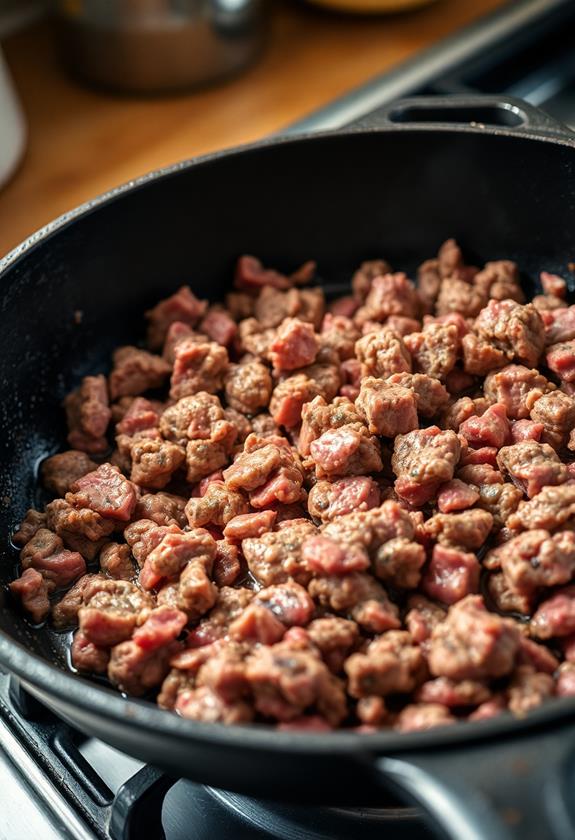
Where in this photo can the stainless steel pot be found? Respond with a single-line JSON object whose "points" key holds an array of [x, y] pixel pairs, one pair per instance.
{"points": [[150, 46]]}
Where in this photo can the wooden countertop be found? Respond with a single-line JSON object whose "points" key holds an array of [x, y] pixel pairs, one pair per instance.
{"points": [[82, 141]]}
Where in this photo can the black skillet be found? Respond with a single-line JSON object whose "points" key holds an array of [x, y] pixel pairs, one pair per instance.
{"points": [[497, 175]]}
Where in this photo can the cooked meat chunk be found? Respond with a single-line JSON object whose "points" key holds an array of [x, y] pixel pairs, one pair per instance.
{"points": [[182, 306], [136, 371], [531, 466], [421, 716], [88, 414], [515, 329], [556, 413], [359, 596], [472, 643], [248, 386], [28, 527], [388, 410], [32, 589], [81, 530], [422, 461], [518, 388], [327, 500], [391, 664], [106, 492], [434, 350], [468, 530], [430, 394], [295, 345], [116, 561], [197, 367], [154, 462], [451, 575], [60, 471], [269, 470], [349, 450], [110, 614], [277, 555], [382, 353]]}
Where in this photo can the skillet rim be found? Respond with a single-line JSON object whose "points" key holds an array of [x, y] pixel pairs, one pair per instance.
{"points": [[69, 689]]}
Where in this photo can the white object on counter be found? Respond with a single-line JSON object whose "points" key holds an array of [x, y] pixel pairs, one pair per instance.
{"points": [[12, 125]]}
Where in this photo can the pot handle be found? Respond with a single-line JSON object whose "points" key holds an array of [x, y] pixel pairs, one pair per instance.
{"points": [[507, 789], [477, 110]]}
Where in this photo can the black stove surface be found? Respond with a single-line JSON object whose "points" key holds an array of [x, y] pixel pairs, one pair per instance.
{"points": [[57, 783]]}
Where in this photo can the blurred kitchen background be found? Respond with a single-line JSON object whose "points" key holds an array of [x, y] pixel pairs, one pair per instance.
{"points": [[105, 91]]}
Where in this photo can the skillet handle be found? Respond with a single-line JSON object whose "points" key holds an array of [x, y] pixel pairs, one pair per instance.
{"points": [[478, 110], [507, 789]]}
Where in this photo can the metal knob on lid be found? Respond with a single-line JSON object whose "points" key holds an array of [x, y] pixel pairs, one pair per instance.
{"points": [[150, 46]]}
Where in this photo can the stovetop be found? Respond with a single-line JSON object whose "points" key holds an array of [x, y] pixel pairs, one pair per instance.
{"points": [[55, 782]]}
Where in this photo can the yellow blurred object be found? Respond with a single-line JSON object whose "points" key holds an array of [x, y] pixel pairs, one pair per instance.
{"points": [[372, 7]]}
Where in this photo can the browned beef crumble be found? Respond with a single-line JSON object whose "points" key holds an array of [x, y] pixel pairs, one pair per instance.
{"points": [[357, 513]]}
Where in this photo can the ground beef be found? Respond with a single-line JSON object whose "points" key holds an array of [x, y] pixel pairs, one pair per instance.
{"points": [[457, 295], [382, 353], [219, 326], [248, 386], [473, 643], [535, 559], [392, 664], [531, 466], [468, 530], [456, 495], [182, 306], [136, 371], [326, 499], [365, 274], [349, 450], [556, 413], [451, 575], [528, 689], [32, 590], [88, 657], [28, 527], [422, 461], [294, 346], [88, 415], [277, 555], [111, 611], [516, 330], [434, 350], [59, 472], [359, 596], [389, 294], [388, 410], [162, 508], [81, 530], [286, 682], [197, 367], [430, 394], [422, 716], [339, 333], [296, 522], [551, 508]]}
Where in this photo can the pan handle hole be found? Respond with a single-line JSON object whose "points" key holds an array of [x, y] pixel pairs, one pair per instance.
{"points": [[484, 114]]}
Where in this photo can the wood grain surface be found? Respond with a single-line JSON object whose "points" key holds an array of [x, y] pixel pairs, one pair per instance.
{"points": [[84, 141]]}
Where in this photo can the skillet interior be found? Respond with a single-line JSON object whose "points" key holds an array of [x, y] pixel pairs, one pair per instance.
{"points": [[338, 199]]}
